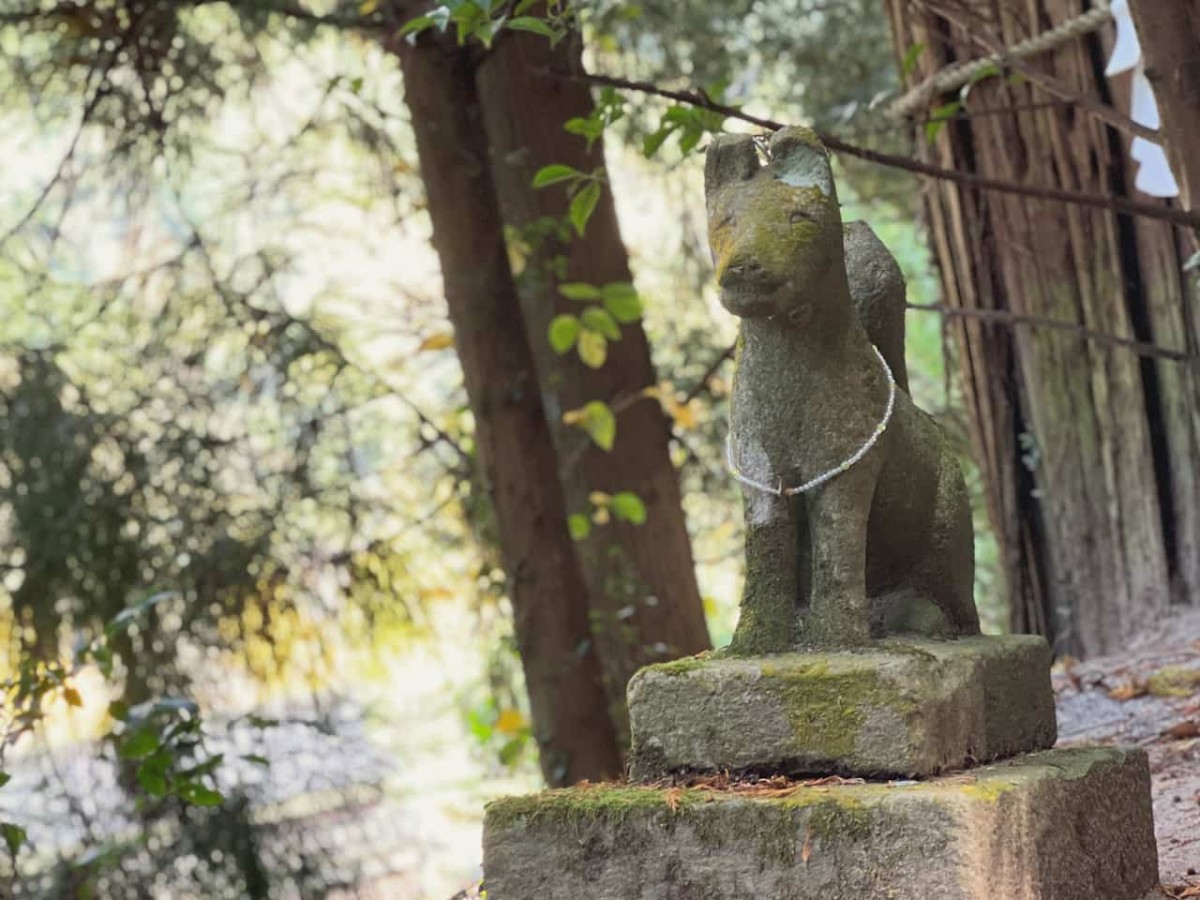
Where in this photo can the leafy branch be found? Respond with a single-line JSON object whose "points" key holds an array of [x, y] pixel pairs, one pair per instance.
{"points": [[1186, 218], [162, 735]]}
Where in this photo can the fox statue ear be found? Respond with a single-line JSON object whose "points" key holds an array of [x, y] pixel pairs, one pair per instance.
{"points": [[730, 157], [798, 158]]}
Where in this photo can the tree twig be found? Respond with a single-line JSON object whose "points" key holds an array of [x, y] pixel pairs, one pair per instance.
{"points": [[1039, 192], [1004, 317]]}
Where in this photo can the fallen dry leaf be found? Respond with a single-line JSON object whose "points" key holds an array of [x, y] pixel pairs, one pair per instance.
{"points": [[1181, 891], [806, 850], [1128, 690], [1188, 728], [671, 798]]}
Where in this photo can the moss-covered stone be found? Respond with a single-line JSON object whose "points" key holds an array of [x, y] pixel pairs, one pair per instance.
{"points": [[901, 707], [828, 709], [685, 664], [995, 832]]}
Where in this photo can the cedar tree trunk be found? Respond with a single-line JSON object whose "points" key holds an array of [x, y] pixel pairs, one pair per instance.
{"points": [[1089, 451], [642, 588], [575, 732]]}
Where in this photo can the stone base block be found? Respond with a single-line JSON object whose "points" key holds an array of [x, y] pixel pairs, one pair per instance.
{"points": [[1063, 824], [900, 708]]}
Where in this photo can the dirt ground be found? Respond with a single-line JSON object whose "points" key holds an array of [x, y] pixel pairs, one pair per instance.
{"points": [[1149, 696]]}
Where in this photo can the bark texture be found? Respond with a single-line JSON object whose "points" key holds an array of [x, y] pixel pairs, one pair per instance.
{"points": [[1085, 449], [641, 579], [576, 735]]}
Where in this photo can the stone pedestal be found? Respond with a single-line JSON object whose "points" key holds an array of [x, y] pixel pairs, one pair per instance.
{"points": [[902, 708], [1061, 824]]}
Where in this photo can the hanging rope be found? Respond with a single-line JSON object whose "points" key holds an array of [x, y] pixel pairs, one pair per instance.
{"points": [[957, 74]]}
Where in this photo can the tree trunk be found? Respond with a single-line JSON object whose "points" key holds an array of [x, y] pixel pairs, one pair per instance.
{"points": [[1169, 35], [1084, 447], [642, 588], [575, 733]]}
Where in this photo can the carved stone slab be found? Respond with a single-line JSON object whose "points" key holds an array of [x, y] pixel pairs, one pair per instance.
{"points": [[905, 707], [1058, 825]]}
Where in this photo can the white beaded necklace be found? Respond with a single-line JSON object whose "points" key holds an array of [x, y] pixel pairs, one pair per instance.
{"points": [[841, 467]]}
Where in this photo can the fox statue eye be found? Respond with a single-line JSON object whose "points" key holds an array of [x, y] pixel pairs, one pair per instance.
{"points": [[800, 215]]}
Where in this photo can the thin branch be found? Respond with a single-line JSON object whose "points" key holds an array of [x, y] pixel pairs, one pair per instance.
{"points": [[301, 13], [61, 171], [1175, 215], [1004, 317], [713, 368]]}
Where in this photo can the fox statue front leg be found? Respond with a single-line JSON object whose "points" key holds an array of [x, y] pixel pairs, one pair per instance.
{"points": [[768, 609]]}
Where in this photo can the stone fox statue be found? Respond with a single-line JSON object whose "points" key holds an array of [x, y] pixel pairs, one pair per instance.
{"points": [[882, 544]]}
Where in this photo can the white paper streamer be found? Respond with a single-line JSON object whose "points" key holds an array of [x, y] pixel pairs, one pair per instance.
{"points": [[1154, 175]]}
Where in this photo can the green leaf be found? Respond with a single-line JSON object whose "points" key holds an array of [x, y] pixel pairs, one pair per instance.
{"points": [[600, 423], [14, 836], [689, 139], [466, 13], [593, 348], [601, 320], [103, 656], [583, 205], [531, 23], [911, 55], [205, 768], [554, 174], [939, 117], [119, 710], [618, 290], [580, 290], [138, 745], [152, 774], [579, 525], [629, 506], [991, 70], [564, 330], [5, 778], [625, 307], [256, 759], [487, 30], [652, 142], [510, 753], [417, 25], [198, 795]]}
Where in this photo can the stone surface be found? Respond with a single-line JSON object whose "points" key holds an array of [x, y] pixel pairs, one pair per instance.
{"points": [[808, 393], [1057, 825], [878, 291], [905, 707]]}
